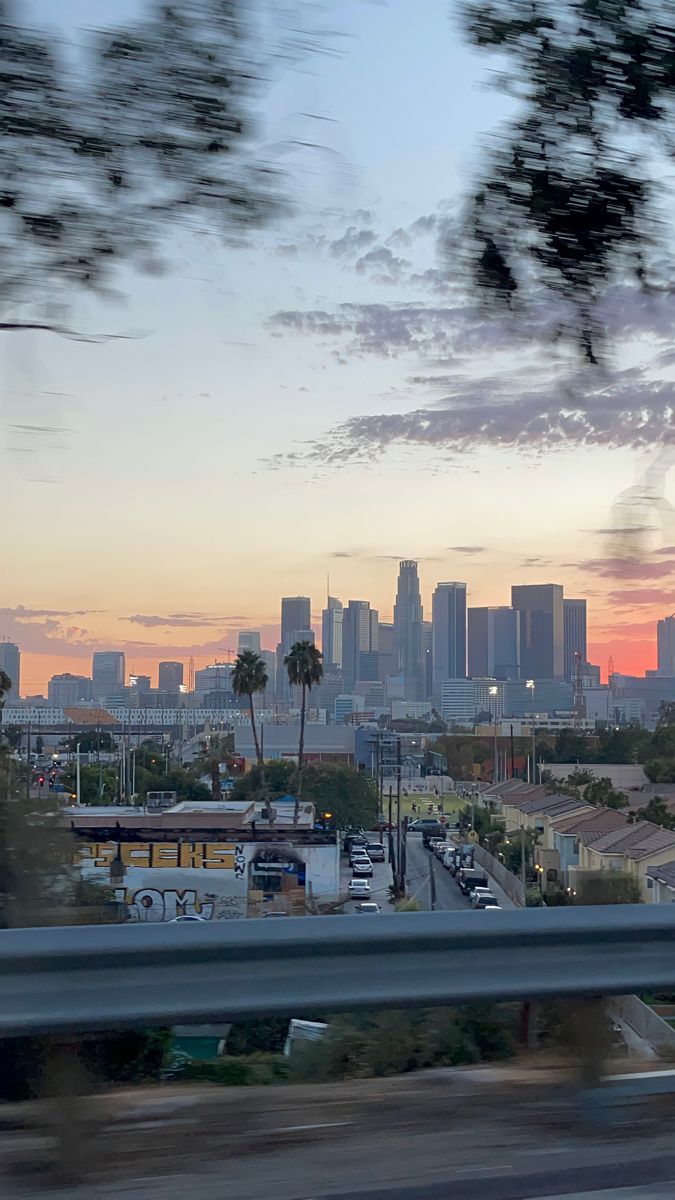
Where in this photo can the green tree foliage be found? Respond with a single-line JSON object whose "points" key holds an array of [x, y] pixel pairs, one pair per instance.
{"points": [[91, 741], [305, 669], [249, 676], [348, 795], [658, 813], [602, 794], [280, 779], [138, 130], [569, 199], [257, 1034], [395, 1042], [608, 887]]}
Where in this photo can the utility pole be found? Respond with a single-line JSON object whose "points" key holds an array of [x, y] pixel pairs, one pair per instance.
{"points": [[28, 769], [399, 876], [513, 757], [392, 855], [78, 792]]}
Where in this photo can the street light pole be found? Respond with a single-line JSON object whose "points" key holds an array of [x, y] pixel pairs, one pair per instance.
{"points": [[494, 692], [78, 794], [533, 774]]}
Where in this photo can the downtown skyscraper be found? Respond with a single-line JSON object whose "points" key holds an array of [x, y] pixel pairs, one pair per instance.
{"points": [[408, 621], [448, 631], [542, 629], [331, 633]]}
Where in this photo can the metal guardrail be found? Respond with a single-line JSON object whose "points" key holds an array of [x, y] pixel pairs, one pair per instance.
{"points": [[110, 976]]}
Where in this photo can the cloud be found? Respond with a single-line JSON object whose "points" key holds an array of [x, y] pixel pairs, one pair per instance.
{"points": [[628, 568], [177, 620], [382, 266], [467, 549], [635, 597], [352, 242]]}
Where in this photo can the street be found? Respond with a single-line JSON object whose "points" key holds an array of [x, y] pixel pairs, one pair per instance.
{"points": [[421, 863]]}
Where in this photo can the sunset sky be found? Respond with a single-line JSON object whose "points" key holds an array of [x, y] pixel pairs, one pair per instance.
{"points": [[329, 399]]}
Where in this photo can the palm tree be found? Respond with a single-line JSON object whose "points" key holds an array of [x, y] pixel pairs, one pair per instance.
{"points": [[305, 668], [249, 676]]}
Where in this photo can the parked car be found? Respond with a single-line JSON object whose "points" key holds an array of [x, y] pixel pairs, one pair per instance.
{"points": [[359, 887], [367, 906], [357, 853], [468, 880], [375, 851], [488, 904], [362, 866], [353, 839], [478, 893], [432, 824]]}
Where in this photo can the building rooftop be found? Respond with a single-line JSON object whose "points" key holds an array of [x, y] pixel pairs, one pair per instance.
{"points": [[634, 841], [665, 873], [547, 805], [591, 821]]}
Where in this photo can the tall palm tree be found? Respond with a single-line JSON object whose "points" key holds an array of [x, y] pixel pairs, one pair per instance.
{"points": [[305, 668], [249, 676]]}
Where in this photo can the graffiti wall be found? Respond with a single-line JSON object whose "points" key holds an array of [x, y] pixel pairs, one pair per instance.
{"points": [[216, 881]]}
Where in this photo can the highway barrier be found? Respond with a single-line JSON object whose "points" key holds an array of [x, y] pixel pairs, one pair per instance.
{"points": [[112, 976]]}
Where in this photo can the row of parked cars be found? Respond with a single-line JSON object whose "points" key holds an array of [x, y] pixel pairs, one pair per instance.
{"points": [[362, 854], [472, 881]]}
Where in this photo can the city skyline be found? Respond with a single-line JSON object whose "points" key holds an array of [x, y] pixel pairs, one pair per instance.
{"points": [[38, 666], [334, 374]]}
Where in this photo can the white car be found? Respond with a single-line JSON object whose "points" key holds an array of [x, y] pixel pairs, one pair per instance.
{"points": [[478, 893], [362, 866], [358, 852], [367, 906], [359, 887]]}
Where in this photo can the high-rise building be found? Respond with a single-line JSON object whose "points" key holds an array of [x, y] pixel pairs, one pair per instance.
{"points": [[542, 634], [66, 690], [295, 620], [665, 642], [493, 643], [387, 656], [331, 633], [10, 663], [574, 635], [295, 615], [170, 676], [408, 628], [428, 658], [359, 642], [448, 622], [248, 639], [108, 672]]}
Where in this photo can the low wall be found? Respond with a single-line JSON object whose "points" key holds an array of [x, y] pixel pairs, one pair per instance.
{"points": [[644, 1021], [506, 880]]}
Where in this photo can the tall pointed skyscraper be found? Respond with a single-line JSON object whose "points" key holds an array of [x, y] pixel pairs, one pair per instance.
{"points": [[408, 629], [331, 633]]}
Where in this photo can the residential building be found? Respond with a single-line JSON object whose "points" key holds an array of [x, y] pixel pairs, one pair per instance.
{"points": [[108, 672], [331, 633], [494, 642], [360, 643], [542, 633], [633, 849], [566, 832], [665, 645], [65, 690], [408, 628], [10, 663], [248, 639], [574, 636], [448, 620], [662, 883]]}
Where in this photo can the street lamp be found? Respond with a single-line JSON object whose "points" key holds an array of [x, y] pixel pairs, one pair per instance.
{"points": [[533, 775], [494, 692]]}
